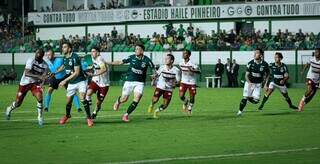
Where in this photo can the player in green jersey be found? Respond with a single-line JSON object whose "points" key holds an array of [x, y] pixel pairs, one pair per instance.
{"points": [[278, 79], [135, 79]]}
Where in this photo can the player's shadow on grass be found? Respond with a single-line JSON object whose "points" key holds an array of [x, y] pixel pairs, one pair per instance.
{"points": [[279, 113]]}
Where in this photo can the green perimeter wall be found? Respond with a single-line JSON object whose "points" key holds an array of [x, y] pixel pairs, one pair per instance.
{"points": [[117, 73]]}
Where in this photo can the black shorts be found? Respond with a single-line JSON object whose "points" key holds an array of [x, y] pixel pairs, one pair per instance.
{"points": [[54, 83]]}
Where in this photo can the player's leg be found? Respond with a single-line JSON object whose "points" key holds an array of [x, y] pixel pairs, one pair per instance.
{"points": [[48, 99], [310, 92], [166, 100], [192, 93], [155, 98], [37, 92], [21, 93], [53, 84], [82, 88], [182, 91], [284, 92], [100, 97], [71, 91], [247, 93], [138, 92], [266, 95], [126, 90]]}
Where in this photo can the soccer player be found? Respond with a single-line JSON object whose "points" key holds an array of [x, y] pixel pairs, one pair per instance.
{"points": [[312, 79], [54, 64], [278, 79], [76, 81], [100, 82], [136, 77], [167, 78], [188, 81], [33, 77], [256, 75]]}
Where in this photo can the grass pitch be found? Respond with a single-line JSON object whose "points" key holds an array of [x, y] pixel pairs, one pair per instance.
{"points": [[212, 135]]}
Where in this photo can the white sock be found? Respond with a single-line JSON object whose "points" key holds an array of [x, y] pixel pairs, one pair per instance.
{"points": [[39, 108]]}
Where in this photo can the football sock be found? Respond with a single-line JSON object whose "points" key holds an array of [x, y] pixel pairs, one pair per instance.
{"points": [[243, 104], [47, 100], [86, 107], [132, 107]]}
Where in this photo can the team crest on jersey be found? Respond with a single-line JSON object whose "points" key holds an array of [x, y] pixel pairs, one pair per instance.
{"points": [[70, 63], [143, 65], [261, 68], [281, 70]]}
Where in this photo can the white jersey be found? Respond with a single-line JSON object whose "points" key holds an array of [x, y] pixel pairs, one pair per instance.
{"points": [[35, 68], [167, 77], [103, 79], [314, 70], [188, 76]]}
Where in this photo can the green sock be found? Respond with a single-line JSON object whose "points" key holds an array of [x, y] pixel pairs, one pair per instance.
{"points": [[264, 100], [243, 104], [132, 107]]}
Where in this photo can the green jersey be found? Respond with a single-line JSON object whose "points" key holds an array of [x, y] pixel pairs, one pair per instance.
{"points": [[257, 71], [278, 73], [137, 70], [69, 64]]}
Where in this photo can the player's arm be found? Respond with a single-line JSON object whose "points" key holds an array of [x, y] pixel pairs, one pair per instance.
{"points": [[29, 73], [195, 69], [178, 77], [304, 68], [118, 62], [72, 76], [103, 68], [286, 76], [247, 77], [266, 78]]}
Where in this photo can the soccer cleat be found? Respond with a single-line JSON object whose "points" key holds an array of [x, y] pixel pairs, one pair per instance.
{"points": [[8, 113], [79, 110], [40, 121], [90, 122], [156, 114], [125, 118], [293, 107], [116, 105], [46, 109], [150, 109], [189, 110], [301, 106], [260, 107], [64, 119], [239, 113]]}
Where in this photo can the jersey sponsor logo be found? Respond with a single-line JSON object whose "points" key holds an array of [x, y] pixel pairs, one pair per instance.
{"points": [[278, 76], [256, 74], [137, 71], [70, 63]]}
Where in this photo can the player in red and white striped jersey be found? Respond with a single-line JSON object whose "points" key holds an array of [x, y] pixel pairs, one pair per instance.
{"points": [[35, 73], [188, 81]]}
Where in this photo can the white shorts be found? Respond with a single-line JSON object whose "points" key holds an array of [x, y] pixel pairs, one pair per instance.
{"points": [[252, 90], [283, 89], [81, 87], [129, 86]]}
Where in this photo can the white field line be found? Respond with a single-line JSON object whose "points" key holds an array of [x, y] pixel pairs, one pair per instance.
{"points": [[218, 156]]}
